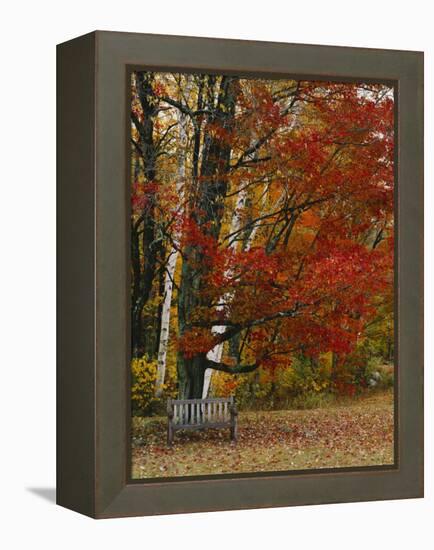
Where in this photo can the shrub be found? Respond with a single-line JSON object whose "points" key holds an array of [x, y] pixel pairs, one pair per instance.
{"points": [[379, 376], [361, 370], [144, 375], [290, 384]]}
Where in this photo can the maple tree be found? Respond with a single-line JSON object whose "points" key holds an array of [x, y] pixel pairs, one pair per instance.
{"points": [[261, 220]]}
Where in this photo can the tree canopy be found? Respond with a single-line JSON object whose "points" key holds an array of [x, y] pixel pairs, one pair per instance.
{"points": [[262, 220]]}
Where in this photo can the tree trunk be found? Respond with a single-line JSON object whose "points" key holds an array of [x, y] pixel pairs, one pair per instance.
{"points": [[173, 256], [191, 373], [334, 366], [207, 208], [165, 323], [143, 231], [216, 353]]}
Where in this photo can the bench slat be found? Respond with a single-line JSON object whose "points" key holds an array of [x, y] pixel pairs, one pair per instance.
{"points": [[202, 401], [197, 414]]}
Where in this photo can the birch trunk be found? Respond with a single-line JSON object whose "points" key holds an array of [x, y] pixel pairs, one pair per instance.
{"points": [[216, 353], [165, 323], [211, 183], [173, 257]]}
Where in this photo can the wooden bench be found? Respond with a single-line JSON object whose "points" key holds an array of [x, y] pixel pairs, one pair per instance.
{"points": [[200, 414]]}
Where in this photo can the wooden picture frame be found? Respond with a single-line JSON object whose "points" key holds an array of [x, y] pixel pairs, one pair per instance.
{"points": [[93, 329]]}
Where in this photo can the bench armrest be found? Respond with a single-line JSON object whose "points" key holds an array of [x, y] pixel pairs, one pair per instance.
{"points": [[234, 410]]}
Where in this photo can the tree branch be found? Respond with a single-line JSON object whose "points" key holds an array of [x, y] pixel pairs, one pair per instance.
{"points": [[236, 328], [237, 369], [185, 109]]}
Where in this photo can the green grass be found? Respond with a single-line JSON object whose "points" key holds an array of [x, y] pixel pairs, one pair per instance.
{"points": [[350, 433]]}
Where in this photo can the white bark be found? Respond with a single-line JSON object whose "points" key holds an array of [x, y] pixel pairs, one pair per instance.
{"points": [[216, 353], [252, 235], [173, 256], [165, 323]]}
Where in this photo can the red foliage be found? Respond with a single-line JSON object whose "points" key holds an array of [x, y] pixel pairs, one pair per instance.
{"points": [[316, 289], [143, 195]]}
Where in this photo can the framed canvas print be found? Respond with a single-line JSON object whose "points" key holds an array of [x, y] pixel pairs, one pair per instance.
{"points": [[240, 267]]}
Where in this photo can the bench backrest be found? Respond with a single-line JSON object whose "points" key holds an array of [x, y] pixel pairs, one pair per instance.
{"points": [[201, 411]]}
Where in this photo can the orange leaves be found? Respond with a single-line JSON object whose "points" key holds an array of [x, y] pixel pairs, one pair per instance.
{"points": [[196, 235], [160, 89], [217, 131], [196, 341]]}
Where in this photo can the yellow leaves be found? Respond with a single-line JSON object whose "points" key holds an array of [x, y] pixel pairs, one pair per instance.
{"points": [[153, 303], [294, 378], [321, 386], [144, 375], [224, 384]]}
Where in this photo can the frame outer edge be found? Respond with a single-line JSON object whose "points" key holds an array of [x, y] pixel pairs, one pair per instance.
{"points": [[116, 497], [75, 408], [410, 275]]}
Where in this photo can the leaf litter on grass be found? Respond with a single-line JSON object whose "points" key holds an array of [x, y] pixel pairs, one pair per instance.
{"points": [[357, 433]]}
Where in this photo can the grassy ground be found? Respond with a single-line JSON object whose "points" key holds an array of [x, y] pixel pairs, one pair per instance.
{"points": [[353, 433]]}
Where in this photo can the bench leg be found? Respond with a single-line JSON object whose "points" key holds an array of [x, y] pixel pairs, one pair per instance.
{"points": [[169, 434], [234, 431]]}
